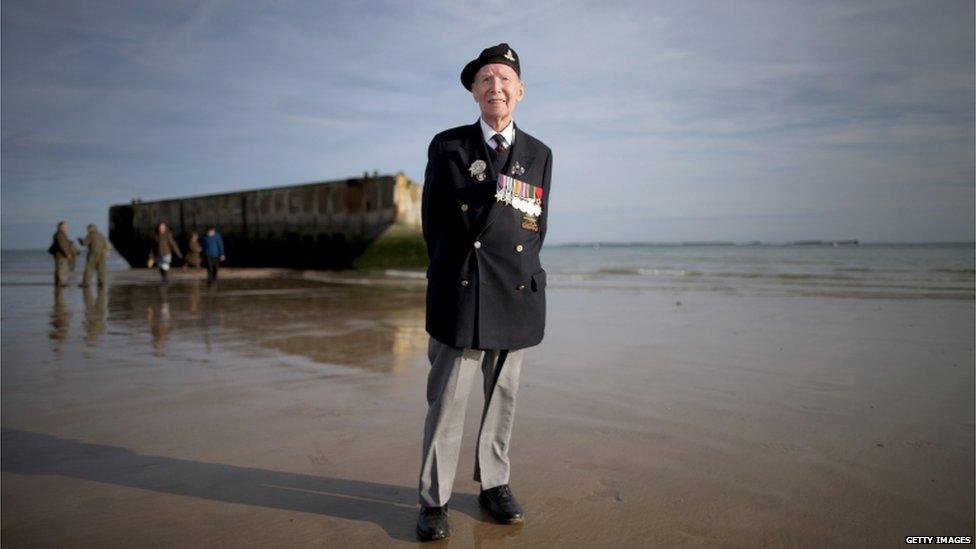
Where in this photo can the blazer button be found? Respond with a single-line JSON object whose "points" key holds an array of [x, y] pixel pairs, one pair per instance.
{"points": [[520, 287], [464, 207], [477, 244], [519, 248], [464, 283]]}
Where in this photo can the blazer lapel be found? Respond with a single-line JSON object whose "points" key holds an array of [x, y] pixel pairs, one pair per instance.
{"points": [[474, 149], [480, 150]]}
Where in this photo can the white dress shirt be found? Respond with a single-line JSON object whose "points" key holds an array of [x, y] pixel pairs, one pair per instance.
{"points": [[508, 133]]}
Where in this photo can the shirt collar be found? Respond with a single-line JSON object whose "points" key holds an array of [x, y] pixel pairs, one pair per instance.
{"points": [[487, 131]]}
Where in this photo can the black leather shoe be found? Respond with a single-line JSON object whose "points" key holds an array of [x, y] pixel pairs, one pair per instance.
{"points": [[432, 524], [501, 504]]}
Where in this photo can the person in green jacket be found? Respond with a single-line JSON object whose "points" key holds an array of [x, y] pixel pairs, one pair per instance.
{"points": [[97, 255]]}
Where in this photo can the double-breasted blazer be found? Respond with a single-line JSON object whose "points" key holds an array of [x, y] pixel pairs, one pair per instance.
{"points": [[485, 283]]}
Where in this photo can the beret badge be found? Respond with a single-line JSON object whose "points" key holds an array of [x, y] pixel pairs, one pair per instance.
{"points": [[501, 53]]}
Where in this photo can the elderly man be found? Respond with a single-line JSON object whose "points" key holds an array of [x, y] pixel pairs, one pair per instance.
{"points": [[485, 205]]}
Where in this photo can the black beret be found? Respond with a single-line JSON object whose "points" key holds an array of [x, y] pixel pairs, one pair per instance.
{"points": [[495, 54]]}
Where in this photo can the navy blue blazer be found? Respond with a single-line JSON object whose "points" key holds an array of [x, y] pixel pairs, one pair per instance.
{"points": [[485, 283]]}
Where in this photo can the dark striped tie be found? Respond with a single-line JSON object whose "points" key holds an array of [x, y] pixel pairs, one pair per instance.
{"points": [[500, 144]]}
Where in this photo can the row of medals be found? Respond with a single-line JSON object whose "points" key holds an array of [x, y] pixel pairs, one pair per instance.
{"points": [[514, 193]]}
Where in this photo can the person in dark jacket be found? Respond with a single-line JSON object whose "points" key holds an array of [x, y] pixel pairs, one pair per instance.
{"points": [[213, 252], [97, 256], [63, 252], [484, 210], [193, 250], [164, 246]]}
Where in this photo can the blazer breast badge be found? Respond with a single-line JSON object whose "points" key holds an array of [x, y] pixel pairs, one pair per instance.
{"points": [[477, 169], [517, 168]]}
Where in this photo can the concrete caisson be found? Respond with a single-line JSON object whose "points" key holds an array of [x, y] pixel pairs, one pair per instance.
{"points": [[361, 222]]}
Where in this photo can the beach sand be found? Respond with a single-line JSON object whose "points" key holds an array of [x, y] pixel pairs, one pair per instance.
{"points": [[286, 410]]}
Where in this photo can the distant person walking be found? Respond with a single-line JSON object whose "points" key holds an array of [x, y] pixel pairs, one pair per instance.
{"points": [[164, 246], [193, 251], [63, 253], [213, 252], [97, 256]]}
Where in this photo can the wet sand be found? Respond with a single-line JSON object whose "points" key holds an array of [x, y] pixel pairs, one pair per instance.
{"points": [[282, 409]]}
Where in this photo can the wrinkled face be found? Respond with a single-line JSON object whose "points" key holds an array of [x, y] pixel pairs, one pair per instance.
{"points": [[497, 89]]}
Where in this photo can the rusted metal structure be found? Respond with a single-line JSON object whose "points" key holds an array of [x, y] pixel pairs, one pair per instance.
{"points": [[324, 225]]}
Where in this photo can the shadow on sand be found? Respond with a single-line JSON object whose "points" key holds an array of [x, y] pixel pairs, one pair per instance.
{"points": [[393, 508]]}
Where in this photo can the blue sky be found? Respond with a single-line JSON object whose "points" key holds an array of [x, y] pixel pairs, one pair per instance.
{"points": [[669, 121]]}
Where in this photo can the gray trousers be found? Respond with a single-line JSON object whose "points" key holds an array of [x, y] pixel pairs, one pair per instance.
{"points": [[452, 373]]}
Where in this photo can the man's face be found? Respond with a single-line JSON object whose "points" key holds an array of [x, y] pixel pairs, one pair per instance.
{"points": [[497, 89]]}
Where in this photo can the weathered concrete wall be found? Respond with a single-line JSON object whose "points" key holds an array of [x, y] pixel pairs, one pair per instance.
{"points": [[315, 225], [407, 197]]}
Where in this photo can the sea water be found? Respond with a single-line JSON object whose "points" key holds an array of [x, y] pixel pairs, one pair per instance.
{"points": [[941, 271], [910, 271]]}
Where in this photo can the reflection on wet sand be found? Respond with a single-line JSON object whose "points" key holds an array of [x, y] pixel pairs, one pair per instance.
{"points": [[373, 328], [95, 321], [96, 314], [60, 320], [159, 321]]}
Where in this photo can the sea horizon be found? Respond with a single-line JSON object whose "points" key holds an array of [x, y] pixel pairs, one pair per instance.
{"points": [[637, 243]]}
